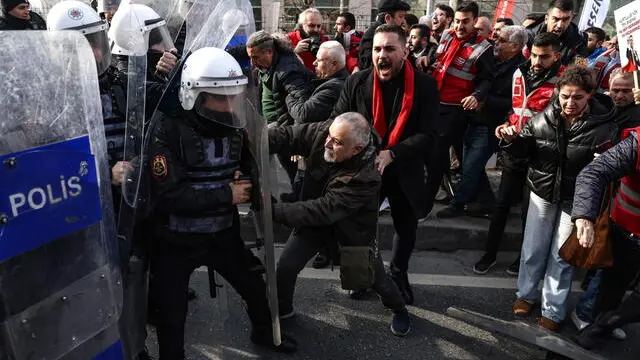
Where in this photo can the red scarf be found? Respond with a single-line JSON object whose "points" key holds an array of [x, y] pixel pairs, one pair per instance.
{"points": [[448, 56], [379, 122]]}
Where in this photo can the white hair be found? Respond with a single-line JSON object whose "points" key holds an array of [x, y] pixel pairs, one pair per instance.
{"points": [[516, 34], [426, 20], [360, 129], [303, 15], [335, 50]]}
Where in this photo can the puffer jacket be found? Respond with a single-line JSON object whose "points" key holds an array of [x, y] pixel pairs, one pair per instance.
{"points": [[320, 104], [291, 84], [556, 155], [8, 22]]}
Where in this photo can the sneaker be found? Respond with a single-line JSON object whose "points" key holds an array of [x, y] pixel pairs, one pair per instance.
{"points": [[441, 195], [579, 324], [401, 324], [450, 211], [514, 268], [485, 264]]}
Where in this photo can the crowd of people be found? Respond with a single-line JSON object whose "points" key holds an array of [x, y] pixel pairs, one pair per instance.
{"points": [[409, 111]]}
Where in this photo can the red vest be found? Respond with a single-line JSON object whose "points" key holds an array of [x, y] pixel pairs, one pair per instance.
{"points": [[525, 106], [625, 210], [353, 49], [605, 64], [306, 56], [457, 70]]}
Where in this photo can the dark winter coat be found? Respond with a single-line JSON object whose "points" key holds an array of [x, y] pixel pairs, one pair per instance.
{"points": [[324, 97], [556, 155], [365, 60], [610, 166], [345, 205], [290, 84], [574, 42], [8, 22], [419, 133]]}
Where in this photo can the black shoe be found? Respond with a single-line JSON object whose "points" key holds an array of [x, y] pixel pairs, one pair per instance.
{"points": [[360, 294], [591, 336], [450, 211], [191, 294], [321, 261], [478, 210], [485, 264], [514, 268], [263, 336], [401, 324], [402, 280]]}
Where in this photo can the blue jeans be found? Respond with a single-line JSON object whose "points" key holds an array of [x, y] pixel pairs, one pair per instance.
{"points": [[478, 148], [548, 227], [585, 307]]}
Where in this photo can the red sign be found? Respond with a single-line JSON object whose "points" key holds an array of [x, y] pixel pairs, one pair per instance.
{"points": [[504, 9]]}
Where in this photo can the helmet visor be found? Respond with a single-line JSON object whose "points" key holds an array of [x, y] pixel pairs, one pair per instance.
{"points": [[224, 109], [160, 38], [101, 51]]}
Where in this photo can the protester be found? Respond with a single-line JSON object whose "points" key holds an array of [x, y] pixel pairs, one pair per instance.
{"points": [[308, 37], [349, 37], [483, 27], [606, 64], [595, 39], [558, 21], [419, 45], [16, 15], [554, 164], [442, 19], [500, 23], [389, 12], [393, 90]]}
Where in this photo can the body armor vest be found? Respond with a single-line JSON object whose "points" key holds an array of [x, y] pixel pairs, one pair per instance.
{"points": [[210, 163]]}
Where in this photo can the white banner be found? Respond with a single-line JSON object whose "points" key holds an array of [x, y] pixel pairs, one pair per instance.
{"points": [[593, 14], [628, 32]]}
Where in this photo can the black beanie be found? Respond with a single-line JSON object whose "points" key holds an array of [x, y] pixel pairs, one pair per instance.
{"points": [[8, 5]]}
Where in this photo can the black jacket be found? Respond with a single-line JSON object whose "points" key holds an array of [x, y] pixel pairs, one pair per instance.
{"points": [[498, 102], [625, 118], [419, 132], [573, 41], [324, 97], [8, 22], [345, 206], [610, 166], [556, 155], [366, 46], [290, 84]]}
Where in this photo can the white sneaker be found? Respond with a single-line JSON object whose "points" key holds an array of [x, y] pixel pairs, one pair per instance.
{"points": [[579, 324], [619, 334]]}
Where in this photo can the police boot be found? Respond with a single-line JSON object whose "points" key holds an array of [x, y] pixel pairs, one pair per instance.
{"points": [[263, 335]]}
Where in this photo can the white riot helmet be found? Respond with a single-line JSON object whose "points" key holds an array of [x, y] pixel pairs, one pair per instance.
{"points": [[76, 15], [211, 75], [137, 28]]}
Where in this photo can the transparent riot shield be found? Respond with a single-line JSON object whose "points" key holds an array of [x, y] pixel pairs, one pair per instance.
{"points": [[60, 293], [555, 343], [258, 138], [167, 9], [272, 18]]}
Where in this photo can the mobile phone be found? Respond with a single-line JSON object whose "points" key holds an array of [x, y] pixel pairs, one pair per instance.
{"points": [[604, 147]]}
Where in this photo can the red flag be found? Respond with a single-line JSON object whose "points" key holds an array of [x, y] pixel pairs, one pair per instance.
{"points": [[504, 9]]}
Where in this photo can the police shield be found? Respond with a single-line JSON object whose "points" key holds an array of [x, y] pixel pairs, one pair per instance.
{"points": [[556, 344], [212, 24], [60, 294]]}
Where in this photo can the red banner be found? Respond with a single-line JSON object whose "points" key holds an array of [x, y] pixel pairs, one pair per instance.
{"points": [[504, 9]]}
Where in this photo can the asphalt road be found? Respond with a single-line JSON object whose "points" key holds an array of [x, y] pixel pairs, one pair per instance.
{"points": [[329, 325]]}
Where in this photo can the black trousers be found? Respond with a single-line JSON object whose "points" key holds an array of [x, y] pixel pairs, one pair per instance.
{"points": [[626, 265], [510, 192], [301, 246], [405, 222], [454, 122], [176, 256]]}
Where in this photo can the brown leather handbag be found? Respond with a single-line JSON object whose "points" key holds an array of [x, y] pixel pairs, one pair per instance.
{"points": [[600, 254]]}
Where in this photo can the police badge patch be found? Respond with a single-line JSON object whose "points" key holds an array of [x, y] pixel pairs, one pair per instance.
{"points": [[159, 166]]}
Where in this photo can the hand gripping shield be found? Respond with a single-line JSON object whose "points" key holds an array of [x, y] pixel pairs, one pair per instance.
{"points": [[60, 294]]}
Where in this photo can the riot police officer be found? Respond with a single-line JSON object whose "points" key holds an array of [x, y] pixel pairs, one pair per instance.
{"points": [[197, 162]]}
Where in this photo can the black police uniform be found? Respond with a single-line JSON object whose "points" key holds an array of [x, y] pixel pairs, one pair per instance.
{"points": [[192, 161]]}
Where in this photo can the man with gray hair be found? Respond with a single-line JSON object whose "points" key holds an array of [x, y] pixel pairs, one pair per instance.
{"points": [[339, 208], [308, 36]]}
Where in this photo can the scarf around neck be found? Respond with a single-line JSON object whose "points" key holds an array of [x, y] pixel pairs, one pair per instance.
{"points": [[380, 123]]}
